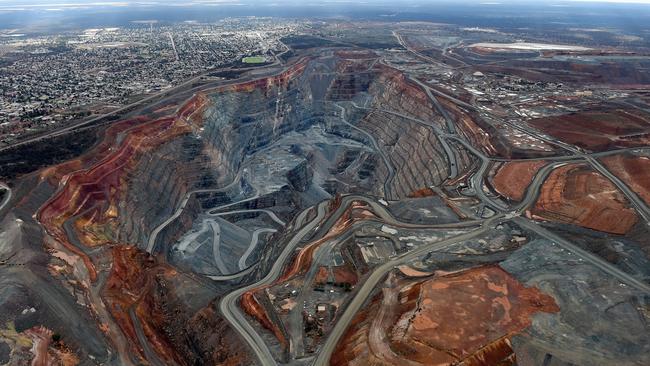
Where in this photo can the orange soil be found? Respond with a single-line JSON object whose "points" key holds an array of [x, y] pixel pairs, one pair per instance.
{"points": [[355, 55], [253, 308], [129, 284], [470, 128], [342, 274], [489, 304], [56, 173], [633, 171], [578, 195], [489, 307], [420, 193], [411, 272], [137, 281], [513, 178], [264, 83], [301, 263], [404, 94], [91, 186], [45, 353], [600, 129], [153, 319], [97, 189]]}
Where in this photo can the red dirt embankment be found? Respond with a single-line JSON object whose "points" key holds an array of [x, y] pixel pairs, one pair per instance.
{"points": [[401, 95], [301, 263], [356, 55], [132, 278], [92, 184], [421, 193], [95, 191], [252, 307], [264, 84], [512, 179], [91, 187], [139, 282], [45, 350], [479, 133], [598, 130], [576, 194], [339, 274], [56, 173], [633, 171], [418, 326]]}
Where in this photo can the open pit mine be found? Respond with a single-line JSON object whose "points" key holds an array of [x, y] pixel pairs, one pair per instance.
{"points": [[345, 205]]}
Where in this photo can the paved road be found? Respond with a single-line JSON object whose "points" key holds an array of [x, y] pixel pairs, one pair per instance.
{"points": [[215, 209], [375, 146], [446, 52], [216, 242], [640, 205], [233, 276], [478, 177], [270, 213], [372, 282], [75, 126], [154, 234], [7, 195], [377, 275], [453, 166], [229, 304], [637, 202], [573, 156], [295, 318], [532, 192], [451, 126], [151, 244], [252, 245], [585, 255], [416, 53], [531, 196], [165, 94], [149, 354]]}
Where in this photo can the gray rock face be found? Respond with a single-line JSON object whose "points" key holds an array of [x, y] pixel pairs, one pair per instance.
{"points": [[4, 353], [300, 177]]}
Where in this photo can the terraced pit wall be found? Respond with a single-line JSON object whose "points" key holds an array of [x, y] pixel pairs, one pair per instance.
{"points": [[137, 186]]}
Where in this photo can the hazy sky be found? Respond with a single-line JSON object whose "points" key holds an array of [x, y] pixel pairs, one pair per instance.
{"points": [[72, 3]]}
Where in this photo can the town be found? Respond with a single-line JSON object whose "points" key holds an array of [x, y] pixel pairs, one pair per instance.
{"points": [[49, 81]]}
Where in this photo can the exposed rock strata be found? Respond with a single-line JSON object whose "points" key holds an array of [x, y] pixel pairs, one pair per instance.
{"points": [[272, 143], [144, 298]]}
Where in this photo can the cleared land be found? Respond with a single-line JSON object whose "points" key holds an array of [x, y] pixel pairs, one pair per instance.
{"points": [[576, 194]]}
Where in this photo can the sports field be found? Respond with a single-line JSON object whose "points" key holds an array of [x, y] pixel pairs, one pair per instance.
{"points": [[253, 60]]}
